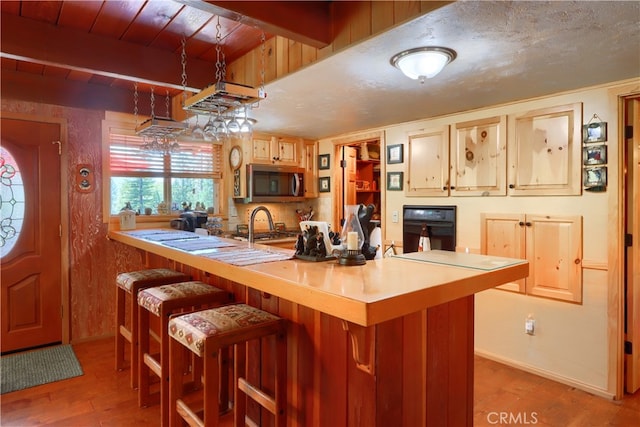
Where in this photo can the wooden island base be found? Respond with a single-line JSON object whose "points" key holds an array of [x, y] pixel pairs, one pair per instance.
{"points": [[413, 369]]}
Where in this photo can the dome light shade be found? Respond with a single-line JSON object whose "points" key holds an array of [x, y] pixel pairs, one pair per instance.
{"points": [[423, 62]]}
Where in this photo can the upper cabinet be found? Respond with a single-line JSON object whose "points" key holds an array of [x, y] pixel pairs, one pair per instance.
{"points": [[428, 162], [533, 153], [545, 151], [479, 157], [286, 151], [471, 161]]}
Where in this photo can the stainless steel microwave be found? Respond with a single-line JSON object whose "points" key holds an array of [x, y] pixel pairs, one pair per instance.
{"points": [[273, 183]]}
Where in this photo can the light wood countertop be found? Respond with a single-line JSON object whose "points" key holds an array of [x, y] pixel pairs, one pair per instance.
{"points": [[381, 290]]}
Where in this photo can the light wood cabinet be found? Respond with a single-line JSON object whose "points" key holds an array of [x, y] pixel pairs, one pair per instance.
{"points": [[310, 169], [545, 151], [428, 163], [479, 158], [471, 161], [284, 151], [542, 156], [551, 244]]}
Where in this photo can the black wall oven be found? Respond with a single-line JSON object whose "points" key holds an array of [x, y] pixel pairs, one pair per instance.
{"points": [[440, 222]]}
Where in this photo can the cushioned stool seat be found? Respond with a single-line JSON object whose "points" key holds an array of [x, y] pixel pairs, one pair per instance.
{"points": [[206, 333], [162, 301], [130, 283]]}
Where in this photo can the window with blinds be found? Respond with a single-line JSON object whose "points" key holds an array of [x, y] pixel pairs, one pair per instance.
{"points": [[145, 180]]}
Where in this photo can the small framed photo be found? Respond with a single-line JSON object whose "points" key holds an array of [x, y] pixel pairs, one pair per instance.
{"points": [[394, 181], [594, 154], [323, 161], [594, 132], [324, 184], [395, 154], [595, 176]]}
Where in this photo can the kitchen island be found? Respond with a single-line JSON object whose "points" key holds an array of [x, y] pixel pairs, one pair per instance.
{"points": [[386, 343]]}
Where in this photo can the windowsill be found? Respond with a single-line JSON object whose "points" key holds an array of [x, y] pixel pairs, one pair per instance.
{"points": [[149, 221]]}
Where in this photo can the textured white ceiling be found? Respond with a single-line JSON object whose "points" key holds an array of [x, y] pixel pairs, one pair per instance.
{"points": [[507, 51]]}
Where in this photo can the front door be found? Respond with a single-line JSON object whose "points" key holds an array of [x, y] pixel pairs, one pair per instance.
{"points": [[30, 241]]}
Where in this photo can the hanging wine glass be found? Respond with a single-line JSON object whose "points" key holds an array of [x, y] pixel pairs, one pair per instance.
{"points": [[246, 127], [209, 129], [233, 125], [220, 128], [197, 132]]}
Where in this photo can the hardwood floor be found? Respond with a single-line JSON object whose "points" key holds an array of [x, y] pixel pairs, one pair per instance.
{"points": [[503, 396]]}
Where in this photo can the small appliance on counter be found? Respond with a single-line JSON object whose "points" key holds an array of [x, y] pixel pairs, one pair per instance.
{"points": [[189, 221]]}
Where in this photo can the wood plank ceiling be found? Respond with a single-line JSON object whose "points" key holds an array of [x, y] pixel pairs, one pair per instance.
{"points": [[97, 49]]}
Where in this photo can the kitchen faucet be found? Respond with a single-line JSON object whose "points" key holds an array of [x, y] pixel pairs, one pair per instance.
{"points": [[253, 217]]}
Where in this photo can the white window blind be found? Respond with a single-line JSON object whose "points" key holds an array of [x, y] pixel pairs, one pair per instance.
{"points": [[191, 159]]}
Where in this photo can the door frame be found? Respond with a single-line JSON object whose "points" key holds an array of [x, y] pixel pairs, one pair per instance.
{"points": [[630, 196], [337, 172], [64, 212]]}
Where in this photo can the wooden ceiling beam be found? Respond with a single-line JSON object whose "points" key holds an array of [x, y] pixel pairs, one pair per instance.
{"points": [[53, 90], [42, 43], [307, 22]]}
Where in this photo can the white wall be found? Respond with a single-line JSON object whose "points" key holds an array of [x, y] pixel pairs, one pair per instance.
{"points": [[571, 341]]}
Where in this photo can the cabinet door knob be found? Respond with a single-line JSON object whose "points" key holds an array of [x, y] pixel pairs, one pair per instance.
{"points": [[521, 224], [512, 186], [577, 261], [444, 188], [528, 224], [453, 187]]}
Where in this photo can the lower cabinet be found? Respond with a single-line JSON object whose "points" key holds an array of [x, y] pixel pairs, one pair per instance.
{"points": [[551, 244]]}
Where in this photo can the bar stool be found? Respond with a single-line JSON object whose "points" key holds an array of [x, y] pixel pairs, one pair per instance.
{"points": [[163, 301], [131, 283], [206, 333]]}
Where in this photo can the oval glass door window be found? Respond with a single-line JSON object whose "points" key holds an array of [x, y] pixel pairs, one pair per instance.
{"points": [[12, 203]]}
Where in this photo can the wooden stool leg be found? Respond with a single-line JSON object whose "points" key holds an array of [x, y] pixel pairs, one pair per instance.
{"points": [[176, 370], [143, 347], [281, 380], [224, 379], [134, 339], [211, 386], [164, 368], [239, 398], [120, 297]]}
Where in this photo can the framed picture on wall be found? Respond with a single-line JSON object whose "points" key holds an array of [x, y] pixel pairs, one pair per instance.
{"points": [[595, 154], [324, 184], [394, 181], [594, 132], [595, 176], [323, 161], [395, 154]]}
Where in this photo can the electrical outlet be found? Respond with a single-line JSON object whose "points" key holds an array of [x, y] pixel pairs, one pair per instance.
{"points": [[530, 326], [394, 216]]}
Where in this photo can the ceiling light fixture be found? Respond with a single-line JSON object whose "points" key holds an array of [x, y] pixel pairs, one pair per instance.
{"points": [[422, 63]]}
